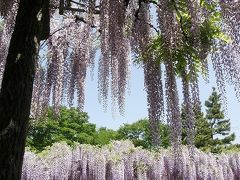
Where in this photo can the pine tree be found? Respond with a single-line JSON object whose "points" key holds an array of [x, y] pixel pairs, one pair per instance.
{"points": [[220, 135], [202, 129]]}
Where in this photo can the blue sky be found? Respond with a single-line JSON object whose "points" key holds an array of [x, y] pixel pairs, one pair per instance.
{"points": [[136, 103]]}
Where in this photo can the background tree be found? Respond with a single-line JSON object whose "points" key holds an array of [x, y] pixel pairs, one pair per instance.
{"points": [[139, 133], [105, 136], [203, 132], [202, 138], [220, 127], [212, 132], [70, 126]]}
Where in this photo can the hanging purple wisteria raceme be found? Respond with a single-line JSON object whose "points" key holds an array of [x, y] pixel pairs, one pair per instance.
{"points": [[120, 160], [180, 40]]}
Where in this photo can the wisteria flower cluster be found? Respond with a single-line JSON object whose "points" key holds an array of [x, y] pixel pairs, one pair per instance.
{"points": [[120, 160]]}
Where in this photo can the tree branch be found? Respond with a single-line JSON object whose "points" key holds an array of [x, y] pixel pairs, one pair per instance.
{"points": [[60, 29], [61, 7], [155, 3], [66, 8], [79, 18], [78, 3]]}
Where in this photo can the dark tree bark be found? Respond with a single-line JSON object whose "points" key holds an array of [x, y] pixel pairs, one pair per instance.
{"points": [[17, 84]]}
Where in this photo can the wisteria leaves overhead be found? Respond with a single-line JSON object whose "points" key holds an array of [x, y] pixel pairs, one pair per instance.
{"points": [[178, 47]]}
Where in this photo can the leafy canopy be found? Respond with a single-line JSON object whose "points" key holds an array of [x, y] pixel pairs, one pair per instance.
{"points": [[71, 126], [139, 133]]}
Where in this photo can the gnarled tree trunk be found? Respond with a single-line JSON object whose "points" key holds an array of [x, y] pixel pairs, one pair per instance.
{"points": [[17, 84]]}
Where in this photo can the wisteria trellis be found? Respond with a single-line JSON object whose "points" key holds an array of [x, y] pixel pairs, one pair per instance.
{"points": [[121, 28]]}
